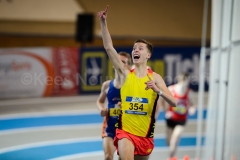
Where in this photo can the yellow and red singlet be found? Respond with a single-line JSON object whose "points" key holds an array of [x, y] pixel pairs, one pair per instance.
{"points": [[138, 106]]}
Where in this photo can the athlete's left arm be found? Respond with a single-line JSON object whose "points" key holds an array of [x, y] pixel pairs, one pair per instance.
{"points": [[192, 107], [159, 85]]}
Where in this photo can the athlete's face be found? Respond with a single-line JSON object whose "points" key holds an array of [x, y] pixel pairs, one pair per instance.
{"points": [[182, 78], [124, 59], [140, 53]]}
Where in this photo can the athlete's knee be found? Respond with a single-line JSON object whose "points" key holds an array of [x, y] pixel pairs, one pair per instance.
{"points": [[108, 157]]}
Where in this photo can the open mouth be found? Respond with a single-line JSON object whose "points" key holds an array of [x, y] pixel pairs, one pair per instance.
{"points": [[136, 57]]}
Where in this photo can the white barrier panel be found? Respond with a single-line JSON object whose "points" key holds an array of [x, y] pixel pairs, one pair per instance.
{"points": [[34, 72], [232, 136], [210, 140], [23, 72], [222, 133]]}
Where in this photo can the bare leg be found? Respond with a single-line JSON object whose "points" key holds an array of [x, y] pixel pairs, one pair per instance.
{"points": [[126, 149], [175, 138], [108, 148], [137, 157], [169, 131]]}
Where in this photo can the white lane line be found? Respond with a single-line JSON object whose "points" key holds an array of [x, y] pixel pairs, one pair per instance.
{"points": [[49, 128], [184, 135], [100, 153], [67, 141], [47, 114], [49, 100], [47, 143], [80, 155], [56, 113], [67, 127], [64, 127], [180, 148]]}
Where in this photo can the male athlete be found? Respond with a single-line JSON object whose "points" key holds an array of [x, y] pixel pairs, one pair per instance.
{"points": [[140, 90], [111, 91], [176, 117]]}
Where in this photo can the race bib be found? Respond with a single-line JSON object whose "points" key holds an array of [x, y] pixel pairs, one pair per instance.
{"points": [[135, 112], [114, 112]]}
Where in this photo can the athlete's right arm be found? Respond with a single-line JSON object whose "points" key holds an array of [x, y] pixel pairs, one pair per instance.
{"points": [[101, 99], [107, 42], [168, 114], [166, 105], [192, 107]]}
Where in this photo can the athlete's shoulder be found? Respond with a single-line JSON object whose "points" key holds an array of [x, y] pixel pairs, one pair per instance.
{"points": [[156, 76], [106, 84]]}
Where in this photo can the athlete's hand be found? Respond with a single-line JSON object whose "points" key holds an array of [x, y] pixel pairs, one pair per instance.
{"points": [[119, 104], [103, 112], [168, 115], [192, 110], [102, 15], [151, 84]]}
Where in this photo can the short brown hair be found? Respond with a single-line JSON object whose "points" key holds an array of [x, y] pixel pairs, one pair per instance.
{"points": [[127, 55], [183, 76], [149, 45]]}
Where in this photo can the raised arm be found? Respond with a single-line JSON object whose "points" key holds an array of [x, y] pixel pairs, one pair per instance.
{"points": [[107, 42]]}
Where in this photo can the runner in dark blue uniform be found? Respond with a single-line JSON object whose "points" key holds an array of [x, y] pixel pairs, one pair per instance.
{"points": [[111, 92], [113, 97]]}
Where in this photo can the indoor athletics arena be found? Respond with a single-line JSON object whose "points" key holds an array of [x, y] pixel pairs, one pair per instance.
{"points": [[53, 65]]}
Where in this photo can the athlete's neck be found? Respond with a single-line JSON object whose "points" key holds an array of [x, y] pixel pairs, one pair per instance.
{"points": [[141, 70]]}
